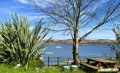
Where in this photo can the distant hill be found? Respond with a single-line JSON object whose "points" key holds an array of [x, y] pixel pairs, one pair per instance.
{"points": [[84, 42]]}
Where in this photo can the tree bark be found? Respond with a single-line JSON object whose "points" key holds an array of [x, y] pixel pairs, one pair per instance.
{"points": [[75, 49], [75, 54], [75, 45], [76, 31]]}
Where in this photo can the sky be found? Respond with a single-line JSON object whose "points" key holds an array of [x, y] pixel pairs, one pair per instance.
{"points": [[24, 8]]}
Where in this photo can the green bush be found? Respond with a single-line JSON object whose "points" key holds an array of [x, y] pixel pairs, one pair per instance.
{"points": [[19, 43], [36, 64]]}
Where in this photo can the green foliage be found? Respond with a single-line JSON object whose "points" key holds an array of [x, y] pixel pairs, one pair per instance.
{"points": [[116, 30], [19, 43], [116, 45], [36, 64]]}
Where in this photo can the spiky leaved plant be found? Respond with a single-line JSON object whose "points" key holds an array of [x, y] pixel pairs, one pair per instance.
{"points": [[19, 43]]}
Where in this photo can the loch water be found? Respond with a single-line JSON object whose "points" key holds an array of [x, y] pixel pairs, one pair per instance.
{"points": [[85, 51]]}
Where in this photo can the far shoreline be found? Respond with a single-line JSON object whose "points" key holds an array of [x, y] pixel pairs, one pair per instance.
{"points": [[84, 42]]}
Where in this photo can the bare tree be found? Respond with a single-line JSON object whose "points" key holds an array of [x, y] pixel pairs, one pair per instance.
{"points": [[115, 48], [76, 14]]}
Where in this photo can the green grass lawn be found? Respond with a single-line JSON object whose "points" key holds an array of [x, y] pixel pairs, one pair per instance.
{"points": [[8, 69], [59, 70]]}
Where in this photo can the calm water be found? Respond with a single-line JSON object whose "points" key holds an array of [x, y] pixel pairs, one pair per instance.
{"points": [[65, 51]]}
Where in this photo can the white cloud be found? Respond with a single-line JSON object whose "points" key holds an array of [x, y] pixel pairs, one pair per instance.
{"points": [[35, 17], [41, 3], [32, 17], [23, 1]]}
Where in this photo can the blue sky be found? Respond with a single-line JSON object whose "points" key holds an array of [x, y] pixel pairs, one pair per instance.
{"points": [[24, 8]]}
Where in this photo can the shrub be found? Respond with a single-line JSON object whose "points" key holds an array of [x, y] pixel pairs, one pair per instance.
{"points": [[116, 45], [19, 43], [36, 64]]}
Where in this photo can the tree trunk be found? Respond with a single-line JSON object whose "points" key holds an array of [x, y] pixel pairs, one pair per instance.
{"points": [[75, 51], [76, 30], [118, 56], [75, 46]]}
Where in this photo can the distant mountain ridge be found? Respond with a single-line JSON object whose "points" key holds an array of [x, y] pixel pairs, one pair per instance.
{"points": [[84, 42]]}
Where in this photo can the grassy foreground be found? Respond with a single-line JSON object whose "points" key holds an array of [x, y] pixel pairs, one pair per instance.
{"points": [[8, 69]]}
